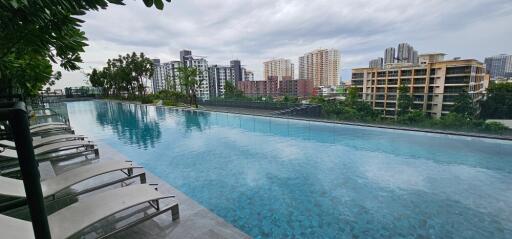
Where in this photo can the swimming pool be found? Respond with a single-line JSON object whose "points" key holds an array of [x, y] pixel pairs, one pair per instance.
{"points": [[276, 178]]}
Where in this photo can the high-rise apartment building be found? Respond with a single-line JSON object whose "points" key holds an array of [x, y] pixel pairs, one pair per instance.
{"points": [[248, 75], [404, 55], [499, 66], [166, 74], [185, 55], [389, 55], [203, 87], [237, 68], [281, 68], [321, 66], [434, 85], [377, 63], [218, 75]]}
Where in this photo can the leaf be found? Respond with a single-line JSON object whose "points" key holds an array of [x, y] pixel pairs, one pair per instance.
{"points": [[159, 4], [148, 3]]}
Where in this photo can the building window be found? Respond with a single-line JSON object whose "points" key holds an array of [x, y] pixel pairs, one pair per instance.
{"points": [[420, 72], [393, 74], [458, 70], [357, 75], [457, 80], [419, 81], [406, 73]]}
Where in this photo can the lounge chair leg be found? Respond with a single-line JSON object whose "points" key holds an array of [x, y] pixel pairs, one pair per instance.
{"points": [[175, 212], [143, 179], [130, 171], [96, 152]]}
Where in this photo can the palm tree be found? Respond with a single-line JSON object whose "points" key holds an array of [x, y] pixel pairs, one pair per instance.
{"points": [[188, 80]]}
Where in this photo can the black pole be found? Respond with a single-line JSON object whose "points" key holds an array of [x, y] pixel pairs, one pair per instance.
{"points": [[18, 119]]}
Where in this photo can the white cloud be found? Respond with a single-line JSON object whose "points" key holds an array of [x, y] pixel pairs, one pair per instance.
{"points": [[257, 30]]}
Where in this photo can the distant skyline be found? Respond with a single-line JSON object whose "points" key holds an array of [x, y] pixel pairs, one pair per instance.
{"points": [[258, 30]]}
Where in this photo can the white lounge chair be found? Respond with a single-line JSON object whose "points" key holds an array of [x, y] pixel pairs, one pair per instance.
{"points": [[50, 128], [73, 219], [14, 187], [38, 142], [51, 148], [52, 152], [47, 124]]}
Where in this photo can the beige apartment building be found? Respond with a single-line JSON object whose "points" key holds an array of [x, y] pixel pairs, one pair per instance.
{"points": [[434, 84], [280, 68], [321, 66]]}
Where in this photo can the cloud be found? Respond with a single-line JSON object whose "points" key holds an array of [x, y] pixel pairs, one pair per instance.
{"points": [[257, 30]]}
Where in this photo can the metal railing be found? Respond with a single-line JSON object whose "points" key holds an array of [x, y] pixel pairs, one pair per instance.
{"points": [[242, 103]]}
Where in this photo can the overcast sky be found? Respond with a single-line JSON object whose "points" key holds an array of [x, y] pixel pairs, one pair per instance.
{"points": [[257, 30]]}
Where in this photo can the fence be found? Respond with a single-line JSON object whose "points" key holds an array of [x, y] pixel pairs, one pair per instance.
{"points": [[249, 104]]}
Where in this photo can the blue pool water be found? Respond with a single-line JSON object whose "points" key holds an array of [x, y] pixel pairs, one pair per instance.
{"points": [[276, 178]]}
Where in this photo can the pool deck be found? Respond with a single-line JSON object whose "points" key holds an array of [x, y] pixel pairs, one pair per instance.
{"points": [[196, 222]]}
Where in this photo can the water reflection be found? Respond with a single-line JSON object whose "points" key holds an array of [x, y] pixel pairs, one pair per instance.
{"points": [[133, 124], [196, 120]]}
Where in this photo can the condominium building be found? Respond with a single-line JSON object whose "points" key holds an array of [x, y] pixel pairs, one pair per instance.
{"points": [[499, 66], [267, 87], [389, 55], [166, 74], [377, 63], [434, 85], [321, 66], [237, 70], [406, 54], [203, 87], [218, 75], [297, 88], [248, 75], [280, 68]]}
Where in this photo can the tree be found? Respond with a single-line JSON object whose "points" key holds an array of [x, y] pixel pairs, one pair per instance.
{"points": [[498, 104], [464, 105], [352, 96], [141, 69], [126, 73], [188, 80], [404, 100], [40, 32], [231, 92]]}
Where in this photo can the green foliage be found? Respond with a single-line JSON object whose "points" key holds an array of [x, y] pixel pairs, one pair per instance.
{"points": [[413, 117], [464, 105], [188, 80], [290, 99], [349, 110], [148, 99], [404, 100], [231, 92], [494, 127], [174, 96], [35, 33], [317, 100], [352, 96], [169, 103], [126, 73], [498, 104], [28, 74]]}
